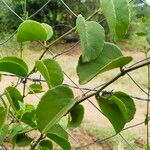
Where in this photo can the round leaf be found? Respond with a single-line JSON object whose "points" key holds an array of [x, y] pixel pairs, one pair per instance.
{"points": [[31, 30]]}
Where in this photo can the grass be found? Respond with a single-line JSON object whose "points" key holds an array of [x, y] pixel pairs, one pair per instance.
{"points": [[116, 142]]}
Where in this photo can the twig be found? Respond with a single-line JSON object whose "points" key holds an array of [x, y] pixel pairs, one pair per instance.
{"points": [[122, 73], [37, 142]]}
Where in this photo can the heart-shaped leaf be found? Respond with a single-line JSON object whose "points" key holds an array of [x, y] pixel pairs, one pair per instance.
{"points": [[92, 38], [76, 116], [117, 14], [115, 110], [31, 30], [13, 96], [51, 71], [110, 58], [3, 116], [54, 104], [14, 65]]}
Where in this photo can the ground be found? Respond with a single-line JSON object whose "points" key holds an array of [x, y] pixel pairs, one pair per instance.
{"points": [[95, 125]]}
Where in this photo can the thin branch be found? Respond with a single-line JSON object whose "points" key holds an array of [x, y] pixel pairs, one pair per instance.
{"points": [[37, 142], [126, 141], [122, 73]]}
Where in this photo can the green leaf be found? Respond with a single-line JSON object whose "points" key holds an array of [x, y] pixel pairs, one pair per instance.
{"points": [[45, 145], [3, 133], [114, 110], [58, 130], [23, 140], [51, 71], [49, 30], [35, 88], [31, 30], [3, 116], [117, 14], [110, 58], [29, 118], [92, 38], [54, 104], [14, 65], [60, 141], [59, 136], [13, 96], [19, 137], [128, 102], [76, 116]]}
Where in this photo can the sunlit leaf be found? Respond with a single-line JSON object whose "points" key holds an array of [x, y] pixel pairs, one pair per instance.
{"points": [[54, 104], [14, 96], [110, 58], [13, 65], [49, 30], [31, 30], [51, 71], [92, 38]]}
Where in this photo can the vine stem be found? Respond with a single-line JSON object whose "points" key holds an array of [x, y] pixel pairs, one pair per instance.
{"points": [[122, 73], [37, 142], [147, 114]]}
